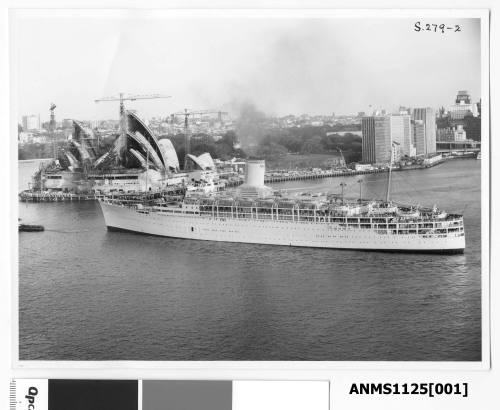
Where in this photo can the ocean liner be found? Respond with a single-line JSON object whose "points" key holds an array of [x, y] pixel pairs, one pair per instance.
{"points": [[256, 214]]}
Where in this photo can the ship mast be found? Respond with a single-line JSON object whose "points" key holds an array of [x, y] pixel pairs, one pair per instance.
{"points": [[393, 143], [388, 182], [343, 184]]}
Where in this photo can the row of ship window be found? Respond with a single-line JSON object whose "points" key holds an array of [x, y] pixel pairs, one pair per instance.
{"points": [[352, 223], [439, 233], [426, 233]]}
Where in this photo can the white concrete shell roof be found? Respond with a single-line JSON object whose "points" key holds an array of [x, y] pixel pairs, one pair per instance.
{"points": [[169, 154], [204, 161], [137, 126], [148, 148]]}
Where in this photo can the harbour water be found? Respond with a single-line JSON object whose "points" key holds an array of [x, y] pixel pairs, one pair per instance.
{"points": [[89, 294]]}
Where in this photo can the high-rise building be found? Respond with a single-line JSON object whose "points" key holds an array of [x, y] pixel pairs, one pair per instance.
{"points": [[428, 116], [462, 107], [380, 132], [401, 133], [382, 139], [418, 135], [31, 122], [368, 140], [389, 139]]}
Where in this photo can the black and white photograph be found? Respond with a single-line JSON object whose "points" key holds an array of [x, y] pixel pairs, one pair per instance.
{"points": [[250, 186]]}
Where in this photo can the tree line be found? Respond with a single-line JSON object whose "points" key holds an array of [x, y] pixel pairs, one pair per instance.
{"points": [[274, 143], [310, 140]]}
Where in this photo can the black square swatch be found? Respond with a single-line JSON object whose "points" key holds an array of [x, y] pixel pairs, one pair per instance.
{"points": [[93, 394]]}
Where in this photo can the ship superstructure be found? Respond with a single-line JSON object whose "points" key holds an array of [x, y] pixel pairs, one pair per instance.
{"points": [[256, 214]]}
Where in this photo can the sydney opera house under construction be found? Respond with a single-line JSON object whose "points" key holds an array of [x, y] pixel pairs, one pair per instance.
{"points": [[137, 161]]}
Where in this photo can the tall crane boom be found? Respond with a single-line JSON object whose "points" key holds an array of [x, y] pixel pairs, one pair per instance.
{"points": [[52, 128], [130, 97], [123, 97], [123, 122]]}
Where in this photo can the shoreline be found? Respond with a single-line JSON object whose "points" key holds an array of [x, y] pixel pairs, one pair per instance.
{"points": [[33, 160]]}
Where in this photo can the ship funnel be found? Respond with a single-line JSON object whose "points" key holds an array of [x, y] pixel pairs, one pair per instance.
{"points": [[254, 181], [254, 172]]}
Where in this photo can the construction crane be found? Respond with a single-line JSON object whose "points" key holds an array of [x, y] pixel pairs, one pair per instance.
{"points": [[130, 97], [123, 125], [219, 113], [187, 135], [52, 127]]}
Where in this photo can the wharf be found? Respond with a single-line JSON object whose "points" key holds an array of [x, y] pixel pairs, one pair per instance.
{"points": [[57, 196], [46, 196], [275, 176], [284, 176], [297, 176]]}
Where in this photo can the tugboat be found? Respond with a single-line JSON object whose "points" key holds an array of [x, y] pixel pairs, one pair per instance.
{"points": [[29, 227]]}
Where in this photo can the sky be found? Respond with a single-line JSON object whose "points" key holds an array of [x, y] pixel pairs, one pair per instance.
{"points": [[280, 65]]}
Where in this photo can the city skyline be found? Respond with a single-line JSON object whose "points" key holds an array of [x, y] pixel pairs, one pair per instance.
{"points": [[281, 66], [44, 118]]}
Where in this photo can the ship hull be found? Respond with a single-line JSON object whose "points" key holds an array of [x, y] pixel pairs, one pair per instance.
{"points": [[272, 232]]}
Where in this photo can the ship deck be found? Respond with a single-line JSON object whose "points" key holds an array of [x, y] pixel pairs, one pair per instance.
{"points": [[384, 218]]}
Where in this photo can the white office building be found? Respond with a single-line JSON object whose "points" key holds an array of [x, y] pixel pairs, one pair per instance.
{"points": [[425, 142], [31, 122]]}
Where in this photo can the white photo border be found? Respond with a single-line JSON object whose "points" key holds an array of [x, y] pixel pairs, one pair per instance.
{"points": [[216, 369]]}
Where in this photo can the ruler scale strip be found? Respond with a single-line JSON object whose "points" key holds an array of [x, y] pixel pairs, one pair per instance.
{"points": [[12, 395]]}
